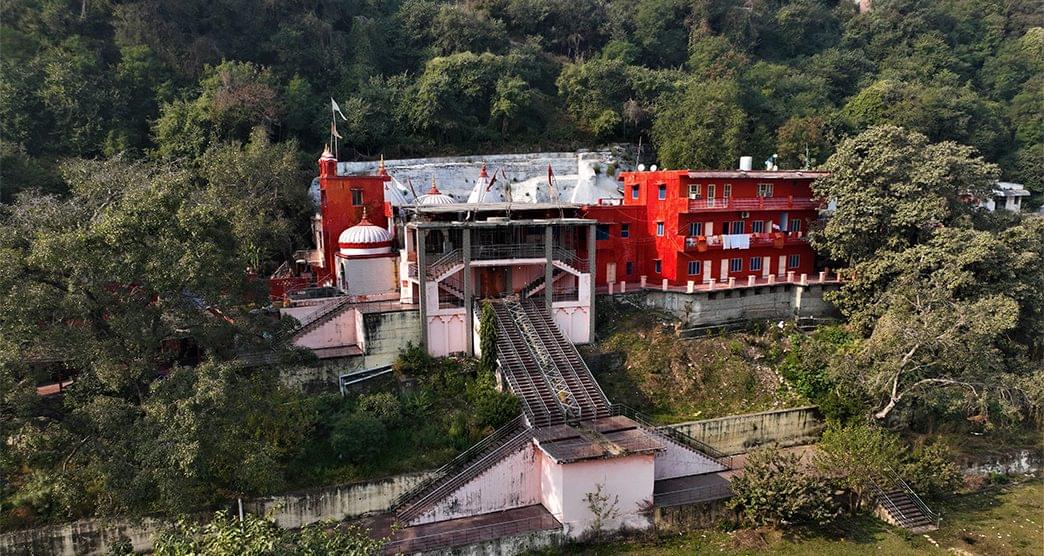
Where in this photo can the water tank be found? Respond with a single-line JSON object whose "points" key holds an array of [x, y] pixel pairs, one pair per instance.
{"points": [[746, 163]]}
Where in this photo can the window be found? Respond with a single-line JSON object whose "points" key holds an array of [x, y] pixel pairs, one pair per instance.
{"points": [[661, 191], [757, 226], [657, 266], [726, 190], [630, 268], [634, 191], [695, 228], [694, 191], [601, 232], [764, 190], [357, 197], [710, 190], [659, 228], [794, 225], [625, 230], [737, 227], [735, 265], [725, 227], [793, 261], [755, 264], [694, 268]]}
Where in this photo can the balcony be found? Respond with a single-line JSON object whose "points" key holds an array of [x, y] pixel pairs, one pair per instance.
{"points": [[699, 244], [732, 204]]}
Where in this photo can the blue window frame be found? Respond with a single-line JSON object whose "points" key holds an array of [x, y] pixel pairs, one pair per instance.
{"points": [[735, 265], [634, 191], [657, 266], [694, 268], [793, 261], [659, 228], [695, 228], [625, 230], [737, 227], [661, 192], [755, 263]]}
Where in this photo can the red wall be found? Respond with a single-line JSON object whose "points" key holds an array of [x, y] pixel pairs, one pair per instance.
{"points": [[340, 214], [643, 247]]}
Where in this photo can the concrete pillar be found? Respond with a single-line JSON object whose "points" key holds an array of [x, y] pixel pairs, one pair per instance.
{"points": [[732, 281], [592, 266], [790, 276], [469, 310], [664, 284], [771, 279], [422, 278], [751, 279], [823, 276], [690, 287], [804, 279], [643, 282], [611, 284], [549, 265], [710, 285]]}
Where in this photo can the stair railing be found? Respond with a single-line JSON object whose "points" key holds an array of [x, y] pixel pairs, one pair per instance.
{"points": [[885, 500], [461, 460], [548, 368], [934, 517], [674, 434]]}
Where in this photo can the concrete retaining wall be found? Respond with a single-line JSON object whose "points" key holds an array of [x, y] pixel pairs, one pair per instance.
{"points": [[782, 301], [702, 515], [737, 434], [506, 546], [385, 334], [95, 536]]}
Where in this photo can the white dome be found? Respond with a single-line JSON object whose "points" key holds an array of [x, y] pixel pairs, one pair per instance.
{"points": [[434, 197], [364, 238]]}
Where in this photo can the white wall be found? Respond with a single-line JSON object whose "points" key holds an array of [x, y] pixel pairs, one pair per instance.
{"points": [[512, 482], [679, 461], [336, 332], [574, 320], [627, 480], [447, 332], [370, 276]]}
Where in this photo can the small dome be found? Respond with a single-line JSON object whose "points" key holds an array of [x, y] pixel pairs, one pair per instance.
{"points": [[434, 197], [364, 238]]}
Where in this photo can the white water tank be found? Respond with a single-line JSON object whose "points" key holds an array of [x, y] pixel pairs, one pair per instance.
{"points": [[746, 163]]}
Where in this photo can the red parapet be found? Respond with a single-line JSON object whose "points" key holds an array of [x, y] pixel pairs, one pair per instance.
{"points": [[752, 204]]}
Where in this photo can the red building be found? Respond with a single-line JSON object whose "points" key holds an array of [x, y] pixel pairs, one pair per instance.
{"points": [[705, 226]]}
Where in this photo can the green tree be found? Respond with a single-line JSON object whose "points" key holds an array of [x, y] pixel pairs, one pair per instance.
{"points": [[488, 340], [892, 188], [855, 456], [701, 126]]}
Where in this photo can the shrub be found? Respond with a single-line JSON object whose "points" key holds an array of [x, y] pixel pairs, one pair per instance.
{"points": [[358, 437], [932, 471], [855, 454], [382, 405], [775, 489]]}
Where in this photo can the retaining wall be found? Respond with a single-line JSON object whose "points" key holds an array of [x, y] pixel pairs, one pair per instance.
{"points": [[780, 301], [95, 536], [737, 434], [385, 335]]}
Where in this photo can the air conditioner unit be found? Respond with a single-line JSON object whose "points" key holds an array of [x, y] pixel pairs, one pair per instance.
{"points": [[744, 214]]}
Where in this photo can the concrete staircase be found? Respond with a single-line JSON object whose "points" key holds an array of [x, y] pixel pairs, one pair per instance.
{"points": [[899, 505], [469, 464]]}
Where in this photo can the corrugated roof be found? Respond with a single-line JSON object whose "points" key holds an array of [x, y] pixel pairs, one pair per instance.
{"points": [[608, 437]]}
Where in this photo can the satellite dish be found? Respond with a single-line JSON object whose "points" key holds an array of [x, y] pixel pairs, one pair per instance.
{"points": [[641, 167], [652, 168]]}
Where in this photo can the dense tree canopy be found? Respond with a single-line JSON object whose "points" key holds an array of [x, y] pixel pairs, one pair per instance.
{"points": [[702, 81]]}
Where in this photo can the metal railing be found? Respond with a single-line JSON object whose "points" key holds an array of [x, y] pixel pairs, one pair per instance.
{"points": [[756, 203], [674, 434], [928, 513], [692, 495], [463, 460], [548, 367], [890, 506], [471, 535]]}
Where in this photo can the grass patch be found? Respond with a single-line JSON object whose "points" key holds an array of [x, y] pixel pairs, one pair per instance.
{"points": [[1000, 522], [639, 360]]}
